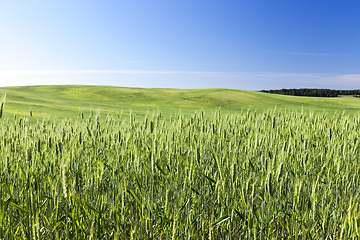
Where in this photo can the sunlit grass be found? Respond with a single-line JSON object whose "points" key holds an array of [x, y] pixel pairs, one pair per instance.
{"points": [[66, 101]]}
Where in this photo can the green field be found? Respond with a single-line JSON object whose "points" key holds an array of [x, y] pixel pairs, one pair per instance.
{"points": [[49, 102], [176, 167]]}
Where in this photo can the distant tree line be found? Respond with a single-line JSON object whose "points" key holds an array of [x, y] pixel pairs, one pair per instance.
{"points": [[314, 92]]}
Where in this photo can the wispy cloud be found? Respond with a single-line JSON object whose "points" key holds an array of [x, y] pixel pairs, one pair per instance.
{"points": [[181, 79], [345, 80], [41, 72], [132, 61], [323, 80], [291, 75], [307, 53], [224, 64]]}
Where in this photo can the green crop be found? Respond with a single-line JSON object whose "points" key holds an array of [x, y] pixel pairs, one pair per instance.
{"points": [[274, 175]]}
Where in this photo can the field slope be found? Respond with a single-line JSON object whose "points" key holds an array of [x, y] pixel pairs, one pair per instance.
{"points": [[255, 174], [68, 101]]}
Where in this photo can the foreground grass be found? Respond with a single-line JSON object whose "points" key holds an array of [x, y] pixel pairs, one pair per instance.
{"points": [[269, 175], [61, 102]]}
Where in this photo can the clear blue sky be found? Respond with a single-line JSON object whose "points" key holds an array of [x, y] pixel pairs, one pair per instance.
{"points": [[251, 45]]}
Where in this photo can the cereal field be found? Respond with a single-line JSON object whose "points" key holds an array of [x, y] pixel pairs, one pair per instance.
{"points": [[271, 175]]}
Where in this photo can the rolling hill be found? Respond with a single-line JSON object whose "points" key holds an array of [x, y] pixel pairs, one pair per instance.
{"points": [[68, 101]]}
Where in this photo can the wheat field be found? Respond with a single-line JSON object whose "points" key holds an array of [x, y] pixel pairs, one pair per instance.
{"points": [[274, 175]]}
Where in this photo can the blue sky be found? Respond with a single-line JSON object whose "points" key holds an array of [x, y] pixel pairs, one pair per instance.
{"points": [[248, 45]]}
